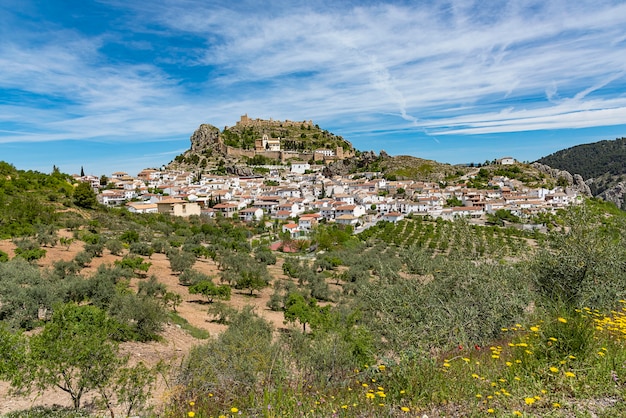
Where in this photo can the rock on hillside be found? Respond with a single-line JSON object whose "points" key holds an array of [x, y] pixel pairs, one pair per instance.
{"points": [[205, 137], [616, 194], [574, 181], [401, 167], [351, 165]]}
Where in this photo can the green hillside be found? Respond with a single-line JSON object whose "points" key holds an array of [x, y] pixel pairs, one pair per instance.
{"points": [[603, 160]]}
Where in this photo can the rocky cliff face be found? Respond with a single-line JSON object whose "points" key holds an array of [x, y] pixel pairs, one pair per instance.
{"points": [[575, 181], [616, 194], [205, 137]]}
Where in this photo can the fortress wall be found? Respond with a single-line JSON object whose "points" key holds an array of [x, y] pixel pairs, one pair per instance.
{"points": [[247, 121], [238, 152]]}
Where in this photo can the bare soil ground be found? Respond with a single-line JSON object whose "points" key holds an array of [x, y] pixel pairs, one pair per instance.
{"points": [[176, 342]]}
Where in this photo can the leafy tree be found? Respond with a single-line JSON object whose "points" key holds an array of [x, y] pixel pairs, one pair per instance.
{"points": [[83, 258], [13, 349], [253, 276], [130, 236], [453, 202], [95, 250], [152, 288], [47, 235], [180, 260], [84, 196], [30, 255], [160, 246], [141, 248], [500, 216], [142, 317], [115, 246], [66, 242], [297, 308], [190, 277], [172, 299], [135, 264], [133, 385], [210, 290], [74, 352], [265, 255]]}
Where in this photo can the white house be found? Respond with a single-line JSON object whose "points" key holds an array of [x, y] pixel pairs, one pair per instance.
{"points": [[142, 207], [251, 214], [292, 228], [300, 168], [393, 217], [505, 161], [347, 220], [309, 221]]}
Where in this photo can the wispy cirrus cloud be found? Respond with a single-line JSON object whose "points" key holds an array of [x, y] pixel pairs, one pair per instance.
{"points": [[436, 68]]}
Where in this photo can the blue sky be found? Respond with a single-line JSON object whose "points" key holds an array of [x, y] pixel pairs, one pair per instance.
{"points": [[117, 85]]}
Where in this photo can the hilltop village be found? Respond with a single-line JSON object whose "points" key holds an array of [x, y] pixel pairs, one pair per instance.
{"points": [[300, 197]]}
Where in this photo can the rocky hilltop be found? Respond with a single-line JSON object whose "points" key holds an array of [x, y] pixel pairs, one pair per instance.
{"points": [[257, 142]]}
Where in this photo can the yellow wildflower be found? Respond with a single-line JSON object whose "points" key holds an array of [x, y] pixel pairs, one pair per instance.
{"points": [[405, 409], [234, 410], [554, 369], [529, 401], [562, 320], [570, 374]]}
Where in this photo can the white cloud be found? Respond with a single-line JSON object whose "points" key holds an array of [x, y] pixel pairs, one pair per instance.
{"points": [[466, 68]]}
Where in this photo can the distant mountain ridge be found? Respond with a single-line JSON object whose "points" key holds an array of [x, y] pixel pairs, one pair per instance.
{"points": [[602, 164]]}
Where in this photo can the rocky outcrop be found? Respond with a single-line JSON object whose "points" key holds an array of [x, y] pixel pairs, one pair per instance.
{"points": [[616, 194], [574, 182], [239, 170], [205, 137], [350, 165]]}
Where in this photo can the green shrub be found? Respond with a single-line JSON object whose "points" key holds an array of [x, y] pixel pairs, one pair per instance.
{"points": [[231, 366]]}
